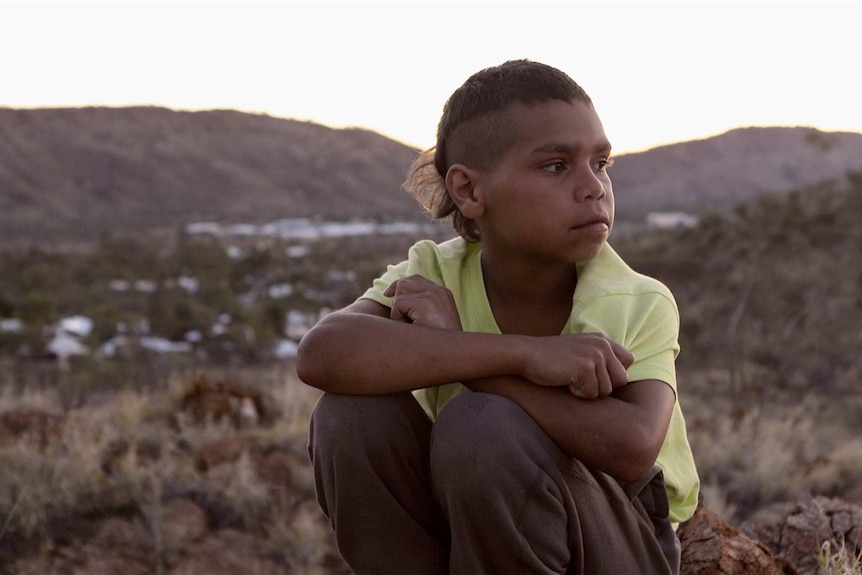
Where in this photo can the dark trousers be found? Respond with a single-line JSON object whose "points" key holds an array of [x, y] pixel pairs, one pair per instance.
{"points": [[481, 491]]}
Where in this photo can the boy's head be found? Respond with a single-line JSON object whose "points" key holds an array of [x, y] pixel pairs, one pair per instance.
{"points": [[476, 129]]}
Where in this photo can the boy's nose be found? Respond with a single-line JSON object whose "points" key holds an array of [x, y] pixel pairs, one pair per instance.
{"points": [[589, 187]]}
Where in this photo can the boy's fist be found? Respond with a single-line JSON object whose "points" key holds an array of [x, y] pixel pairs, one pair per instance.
{"points": [[589, 364], [421, 301]]}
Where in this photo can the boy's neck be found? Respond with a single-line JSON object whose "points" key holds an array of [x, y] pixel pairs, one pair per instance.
{"points": [[529, 298]]}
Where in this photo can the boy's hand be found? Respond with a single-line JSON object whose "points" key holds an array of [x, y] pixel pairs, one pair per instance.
{"points": [[421, 301], [589, 364]]}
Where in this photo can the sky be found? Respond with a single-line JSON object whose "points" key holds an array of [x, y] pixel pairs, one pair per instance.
{"points": [[658, 73]]}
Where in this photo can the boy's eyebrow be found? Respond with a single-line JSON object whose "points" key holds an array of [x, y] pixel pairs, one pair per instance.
{"points": [[560, 148]]}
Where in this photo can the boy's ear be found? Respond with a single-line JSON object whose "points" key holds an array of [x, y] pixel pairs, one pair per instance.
{"points": [[461, 183]]}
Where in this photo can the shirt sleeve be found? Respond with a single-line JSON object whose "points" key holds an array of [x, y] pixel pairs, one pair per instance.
{"points": [[422, 259], [392, 273], [654, 341], [646, 323]]}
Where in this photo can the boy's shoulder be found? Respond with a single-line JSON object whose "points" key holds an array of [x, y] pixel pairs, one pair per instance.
{"points": [[445, 263], [442, 262], [609, 275], [447, 252], [606, 274]]}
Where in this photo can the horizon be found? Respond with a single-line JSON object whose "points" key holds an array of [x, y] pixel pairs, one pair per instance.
{"points": [[352, 127], [658, 73]]}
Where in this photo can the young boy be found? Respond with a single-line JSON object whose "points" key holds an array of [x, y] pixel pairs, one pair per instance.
{"points": [[542, 434]]}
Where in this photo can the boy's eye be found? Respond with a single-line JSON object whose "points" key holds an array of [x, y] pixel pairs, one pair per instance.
{"points": [[556, 167], [604, 163]]}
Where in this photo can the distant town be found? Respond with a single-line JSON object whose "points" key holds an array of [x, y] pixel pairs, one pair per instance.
{"points": [[72, 335]]}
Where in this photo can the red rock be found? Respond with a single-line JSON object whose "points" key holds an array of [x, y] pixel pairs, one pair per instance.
{"points": [[34, 425], [710, 546], [796, 532], [225, 450], [214, 401]]}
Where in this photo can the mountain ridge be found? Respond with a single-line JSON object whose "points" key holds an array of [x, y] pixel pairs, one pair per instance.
{"points": [[734, 167], [147, 167], [80, 173]]}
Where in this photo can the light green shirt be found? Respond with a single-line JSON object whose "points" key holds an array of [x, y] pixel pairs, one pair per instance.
{"points": [[634, 310]]}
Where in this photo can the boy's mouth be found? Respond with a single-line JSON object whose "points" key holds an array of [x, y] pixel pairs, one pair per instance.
{"points": [[597, 223]]}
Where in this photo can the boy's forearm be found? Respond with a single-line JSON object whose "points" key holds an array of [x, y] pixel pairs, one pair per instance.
{"points": [[620, 437], [360, 354]]}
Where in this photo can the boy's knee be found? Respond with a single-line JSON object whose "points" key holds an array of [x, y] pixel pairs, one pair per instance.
{"points": [[350, 422], [331, 416], [477, 419], [355, 412], [477, 436]]}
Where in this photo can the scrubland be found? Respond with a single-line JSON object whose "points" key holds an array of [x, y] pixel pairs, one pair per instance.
{"points": [[137, 480], [770, 297], [132, 456]]}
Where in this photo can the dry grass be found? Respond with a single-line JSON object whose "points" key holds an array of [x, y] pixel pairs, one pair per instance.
{"points": [[768, 448], [133, 453], [837, 559]]}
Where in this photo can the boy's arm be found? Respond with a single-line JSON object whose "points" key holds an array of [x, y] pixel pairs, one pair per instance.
{"points": [[362, 350], [368, 348], [621, 434]]}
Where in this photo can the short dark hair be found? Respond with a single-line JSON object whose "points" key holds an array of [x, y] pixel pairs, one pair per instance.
{"points": [[475, 129]]}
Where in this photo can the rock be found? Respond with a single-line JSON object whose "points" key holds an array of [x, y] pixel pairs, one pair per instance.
{"points": [[126, 546], [796, 532], [225, 450], [30, 425], [108, 564], [119, 545], [214, 401], [227, 552], [277, 468], [147, 451], [183, 522], [283, 474], [852, 494], [710, 546]]}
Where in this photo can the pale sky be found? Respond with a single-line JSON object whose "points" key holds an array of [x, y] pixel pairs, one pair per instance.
{"points": [[657, 72]]}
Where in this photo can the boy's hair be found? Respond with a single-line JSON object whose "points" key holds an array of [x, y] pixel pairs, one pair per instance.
{"points": [[476, 129]]}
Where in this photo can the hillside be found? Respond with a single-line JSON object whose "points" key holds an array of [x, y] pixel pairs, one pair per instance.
{"points": [[125, 470], [733, 168], [770, 288], [82, 173]]}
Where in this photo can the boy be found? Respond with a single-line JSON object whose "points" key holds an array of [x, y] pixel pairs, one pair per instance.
{"points": [[543, 365]]}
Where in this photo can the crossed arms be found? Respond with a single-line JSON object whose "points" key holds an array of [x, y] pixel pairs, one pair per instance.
{"points": [[574, 386]]}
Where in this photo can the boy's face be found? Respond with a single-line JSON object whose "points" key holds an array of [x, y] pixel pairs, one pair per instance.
{"points": [[549, 197]]}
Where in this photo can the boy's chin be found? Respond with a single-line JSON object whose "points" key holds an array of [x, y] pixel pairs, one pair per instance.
{"points": [[591, 253]]}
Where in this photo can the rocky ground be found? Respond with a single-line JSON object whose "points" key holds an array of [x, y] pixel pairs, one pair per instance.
{"points": [[212, 478]]}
